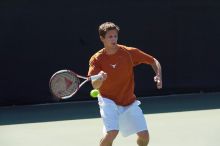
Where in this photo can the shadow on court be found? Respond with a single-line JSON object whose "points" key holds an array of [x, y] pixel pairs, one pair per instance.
{"points": [[86, 110]]}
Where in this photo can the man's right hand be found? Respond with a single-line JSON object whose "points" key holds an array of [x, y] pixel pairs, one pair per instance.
{"points": [[98, 83], [104, 75]]}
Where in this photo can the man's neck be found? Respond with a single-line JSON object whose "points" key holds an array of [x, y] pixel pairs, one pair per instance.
{"points": [[111, 50]]}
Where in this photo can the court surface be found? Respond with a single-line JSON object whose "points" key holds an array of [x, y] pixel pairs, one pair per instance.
{"points": [[174, 120]]}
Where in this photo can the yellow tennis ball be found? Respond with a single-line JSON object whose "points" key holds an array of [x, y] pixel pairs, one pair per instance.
{"points": [[94, 93]]}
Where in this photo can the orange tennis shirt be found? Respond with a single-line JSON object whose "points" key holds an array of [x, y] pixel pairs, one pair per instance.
{"points": [[119, 85]]}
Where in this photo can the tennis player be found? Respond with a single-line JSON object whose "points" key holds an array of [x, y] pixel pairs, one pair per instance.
{"points": [[119, 108]]}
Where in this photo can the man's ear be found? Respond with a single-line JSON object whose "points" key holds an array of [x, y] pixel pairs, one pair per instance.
{"points": [[101, 38]]}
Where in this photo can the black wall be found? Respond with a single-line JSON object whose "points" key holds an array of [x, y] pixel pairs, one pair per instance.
{"points": [[41, 37]]}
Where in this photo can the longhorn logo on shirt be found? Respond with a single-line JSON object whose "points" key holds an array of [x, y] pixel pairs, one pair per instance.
{"points": [[113, 65]]}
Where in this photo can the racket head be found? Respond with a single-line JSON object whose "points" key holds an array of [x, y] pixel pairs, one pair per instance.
{"points": [[64, 84]]}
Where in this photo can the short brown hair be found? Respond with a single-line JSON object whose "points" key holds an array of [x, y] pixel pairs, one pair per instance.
{"points": [[103, 28]]}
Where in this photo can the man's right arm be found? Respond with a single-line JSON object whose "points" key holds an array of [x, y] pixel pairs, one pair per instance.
{"points": [[96, 84], [94, 68]]}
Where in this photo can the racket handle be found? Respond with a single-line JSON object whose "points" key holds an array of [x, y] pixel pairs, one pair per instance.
{"points": [[96, 77]]}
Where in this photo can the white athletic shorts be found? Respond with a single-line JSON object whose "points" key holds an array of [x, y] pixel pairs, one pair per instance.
{"points": [[127, 119]]}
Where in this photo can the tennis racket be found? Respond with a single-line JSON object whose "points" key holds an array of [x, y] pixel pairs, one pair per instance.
{"points": [[65, 83]]}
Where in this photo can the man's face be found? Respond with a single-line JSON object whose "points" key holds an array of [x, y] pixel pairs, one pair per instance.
{"points": [[111, 38]]}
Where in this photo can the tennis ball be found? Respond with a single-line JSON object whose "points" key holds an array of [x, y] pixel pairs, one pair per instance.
{"points": [[94, 93]]}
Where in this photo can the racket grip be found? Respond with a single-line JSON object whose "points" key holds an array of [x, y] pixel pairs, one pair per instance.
{"points": [[96, 77]]}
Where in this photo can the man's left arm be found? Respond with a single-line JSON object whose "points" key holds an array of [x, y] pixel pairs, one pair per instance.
{"points": [[139, 57], [158, 71]]}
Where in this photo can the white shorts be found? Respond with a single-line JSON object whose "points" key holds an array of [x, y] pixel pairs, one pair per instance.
{"points": [[127, 119]]}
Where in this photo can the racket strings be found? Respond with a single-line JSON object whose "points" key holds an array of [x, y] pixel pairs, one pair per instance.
{"points": [[64, 84]]}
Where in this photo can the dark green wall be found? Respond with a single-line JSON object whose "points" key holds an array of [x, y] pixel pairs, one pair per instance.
{"points": [[41, 37]]}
